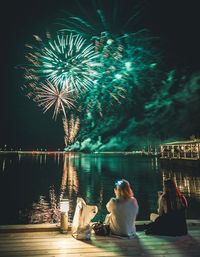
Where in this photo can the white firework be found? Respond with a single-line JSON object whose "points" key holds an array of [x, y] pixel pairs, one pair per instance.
{"points": [[50, 96], [67, 59]]}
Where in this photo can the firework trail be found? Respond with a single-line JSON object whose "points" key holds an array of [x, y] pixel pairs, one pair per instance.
{"points": [[101, 18], [71, 126], [66, 61]]}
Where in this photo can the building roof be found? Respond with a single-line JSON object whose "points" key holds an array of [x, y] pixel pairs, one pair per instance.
{"points": [[185, 142]]}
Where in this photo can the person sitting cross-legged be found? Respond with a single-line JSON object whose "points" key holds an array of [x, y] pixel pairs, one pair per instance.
{"points": [[171, 217], [123, 210]]}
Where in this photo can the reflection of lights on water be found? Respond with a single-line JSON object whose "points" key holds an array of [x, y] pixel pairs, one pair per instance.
{"points": [[4, 165], [44, 211], [181, 188], [163, 176], [187, 185], [19, 157], [69, 181], [45, 158], [55, 157], [98, 164], [58, 158], [40, 159], [88, 193], [156, 162], [37, 157], [101, 196], [86, 164], [152, 163]]}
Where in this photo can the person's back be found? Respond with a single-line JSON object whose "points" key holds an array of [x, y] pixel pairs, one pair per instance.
{"points": [[171, 220], [123, 210], [123, 216]]}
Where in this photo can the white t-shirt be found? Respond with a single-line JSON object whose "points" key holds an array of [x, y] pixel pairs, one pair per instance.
{"points": [[122, 216]]}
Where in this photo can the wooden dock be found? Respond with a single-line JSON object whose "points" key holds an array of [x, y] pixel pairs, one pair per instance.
{"points": [[47, 241]]}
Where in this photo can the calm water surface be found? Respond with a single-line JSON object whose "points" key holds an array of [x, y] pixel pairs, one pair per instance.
{"points": [[32, 184]]}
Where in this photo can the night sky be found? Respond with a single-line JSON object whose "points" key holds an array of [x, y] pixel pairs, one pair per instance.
{"points": [[23, 125]]}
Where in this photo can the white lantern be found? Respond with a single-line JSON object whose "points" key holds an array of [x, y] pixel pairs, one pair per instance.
{"points": [[64, 208], [64, 205]]}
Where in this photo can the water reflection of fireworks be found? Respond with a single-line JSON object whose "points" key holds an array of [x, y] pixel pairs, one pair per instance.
{"points": [[69, 182]]}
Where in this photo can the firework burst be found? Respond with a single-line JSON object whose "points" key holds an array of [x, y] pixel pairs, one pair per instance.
{"points": [[99, 76], [125, 56], [50, 96], [65, 60]]}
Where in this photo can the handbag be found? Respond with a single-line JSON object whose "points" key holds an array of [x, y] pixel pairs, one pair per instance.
{"points": [[101, 229], [83, 215]]}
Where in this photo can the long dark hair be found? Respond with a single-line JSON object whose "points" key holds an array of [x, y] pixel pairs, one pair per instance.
{"points": [[175, 200]]}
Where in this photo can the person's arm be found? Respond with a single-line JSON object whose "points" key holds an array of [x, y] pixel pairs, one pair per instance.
{"points": [[162, 206], [110, 204], [136, 204]]}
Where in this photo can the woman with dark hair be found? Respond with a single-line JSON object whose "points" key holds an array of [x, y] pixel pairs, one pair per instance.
{"points": [[171, 218], [123, 210]]}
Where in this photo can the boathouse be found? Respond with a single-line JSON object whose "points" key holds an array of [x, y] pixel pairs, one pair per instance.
{"points": [[181, 152]]}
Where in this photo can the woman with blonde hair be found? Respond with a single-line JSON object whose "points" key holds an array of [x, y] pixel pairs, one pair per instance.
{"points": [[123, 210]]}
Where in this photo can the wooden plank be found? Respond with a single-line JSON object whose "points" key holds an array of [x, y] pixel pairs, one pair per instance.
{"points": [[53, 243], [47, 236], [108, 246], [29, 228], [97, 252], [56, 227]]}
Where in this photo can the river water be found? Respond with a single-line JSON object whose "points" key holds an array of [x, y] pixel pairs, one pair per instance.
{"points": [[31, 185]]}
